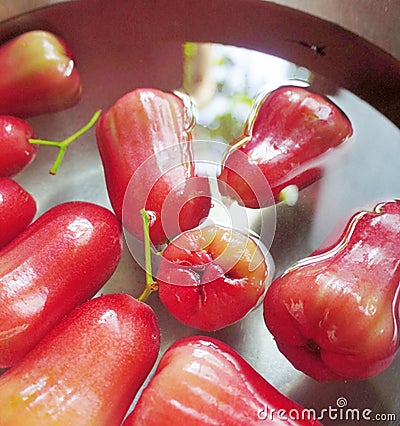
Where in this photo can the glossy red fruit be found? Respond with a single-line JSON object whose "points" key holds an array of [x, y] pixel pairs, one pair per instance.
{"points": [[287, 138], [86, 371], [211, 277], [145, 145], [38, 75], [202, 381], [335, 315], [18, 146], [58, 262], [17, 210], [15, 150]]}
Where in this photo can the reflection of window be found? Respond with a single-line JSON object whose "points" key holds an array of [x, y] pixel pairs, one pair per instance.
{"points": [[224, 82]]}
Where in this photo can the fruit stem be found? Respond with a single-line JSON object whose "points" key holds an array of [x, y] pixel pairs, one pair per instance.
{"points": [[62, 146], [151, 283]]}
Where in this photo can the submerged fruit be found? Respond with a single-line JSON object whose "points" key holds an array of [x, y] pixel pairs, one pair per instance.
{"points": [[286, 141], [335, 315], [211, 277]]}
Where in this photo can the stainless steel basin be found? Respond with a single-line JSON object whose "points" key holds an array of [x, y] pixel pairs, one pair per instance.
{"points": [[121, 45]]}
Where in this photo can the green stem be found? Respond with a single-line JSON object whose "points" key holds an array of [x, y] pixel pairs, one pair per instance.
{"points": [[151, 284], [62, 146]]}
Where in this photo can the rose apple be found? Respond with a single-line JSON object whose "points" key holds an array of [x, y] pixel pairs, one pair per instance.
{"points": [[15, 150], [201, 381], [145, 145], [335, 315], [87, 370], [17, 210], [38, 75], [18, 145], [288, 137], [211, 277]]}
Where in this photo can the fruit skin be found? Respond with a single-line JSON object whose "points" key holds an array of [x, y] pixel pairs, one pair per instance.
{"points": [[211, 277], [38, 75], [287, 138], [202, 381], [58, 262], [335, 315], [16, 152], [149, 128], [17, 210], [86, 371]]}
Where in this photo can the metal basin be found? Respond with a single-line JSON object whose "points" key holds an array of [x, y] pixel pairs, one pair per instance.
{"points": [[121, 45]]}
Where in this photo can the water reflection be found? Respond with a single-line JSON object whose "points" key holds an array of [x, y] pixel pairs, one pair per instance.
{"points": [[224, 82]]}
